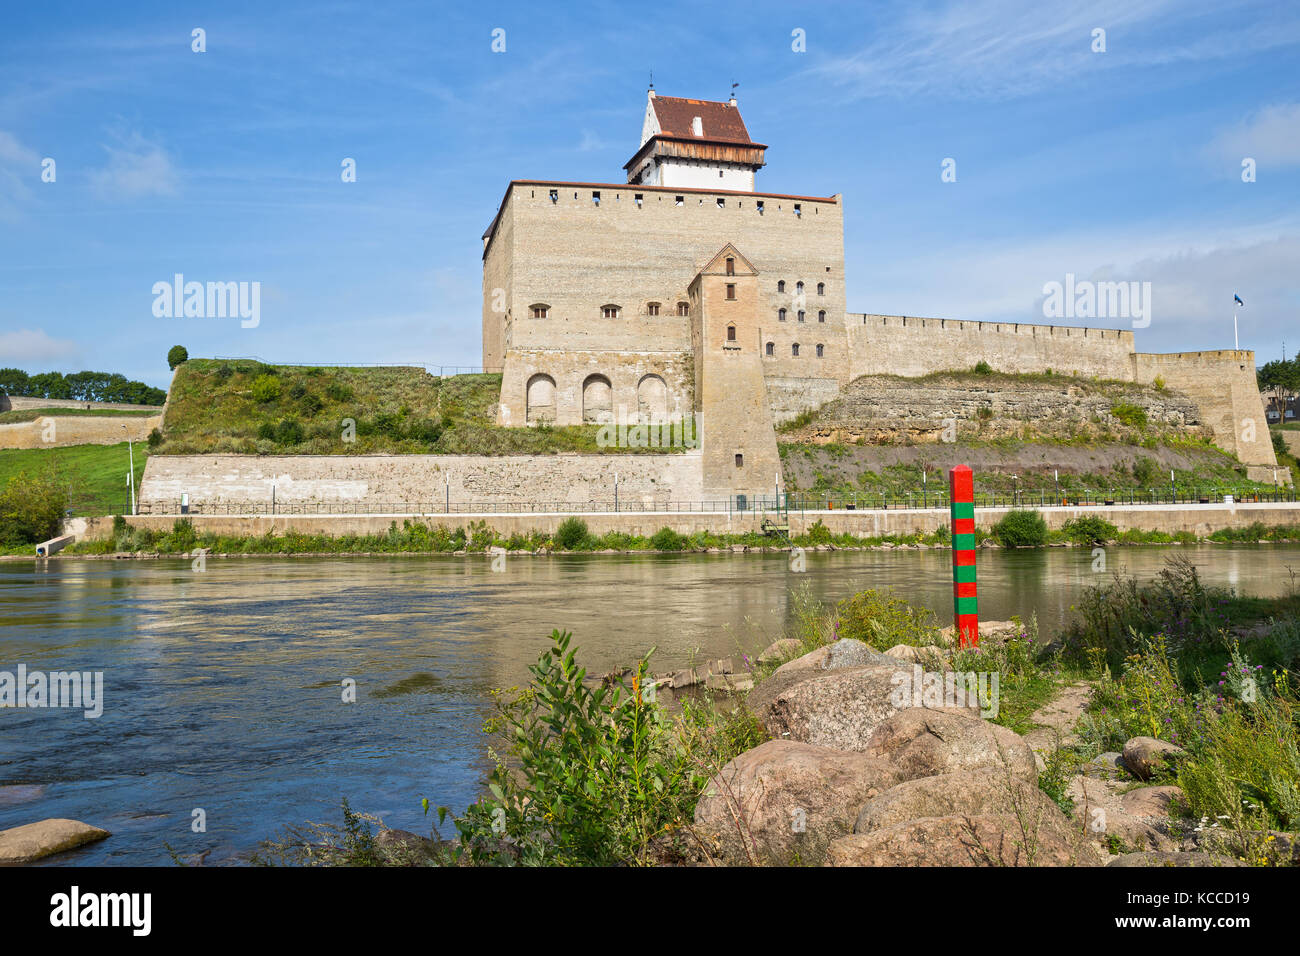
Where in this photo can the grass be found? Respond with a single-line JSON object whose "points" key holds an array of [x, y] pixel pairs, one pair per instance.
{"points": [[31, 414], [246, 407], [95, 474]]}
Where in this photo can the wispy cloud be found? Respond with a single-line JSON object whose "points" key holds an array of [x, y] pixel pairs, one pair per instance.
{"points": [[997, 49], [136, 168], [19, 166], [1270, 136], [25, 346]]}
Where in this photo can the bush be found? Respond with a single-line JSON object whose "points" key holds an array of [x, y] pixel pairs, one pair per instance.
{"points": [[1129, 414], [588, 775], [32, 508], [289, 432], [1144, 471], [155, 438], [338, 392], [882, 620], [177, 355], [1090, 530], [265, 388], [983, 368], [1021, 529], [571, 533], [666, 539]]}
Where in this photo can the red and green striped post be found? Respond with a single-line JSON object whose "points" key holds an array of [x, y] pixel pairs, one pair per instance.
{"points": [[965, 615]]}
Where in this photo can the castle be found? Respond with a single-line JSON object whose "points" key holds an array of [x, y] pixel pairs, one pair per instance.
{"points": [[685, 291]]}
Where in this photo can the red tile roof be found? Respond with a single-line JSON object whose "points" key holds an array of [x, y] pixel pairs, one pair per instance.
{"points": [[721, 121]]}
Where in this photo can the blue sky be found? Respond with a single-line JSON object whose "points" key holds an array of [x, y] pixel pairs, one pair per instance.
{"points": [[225, 165]]}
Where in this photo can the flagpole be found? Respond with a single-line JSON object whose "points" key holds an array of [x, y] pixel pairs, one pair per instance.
{"points": [[1235, 344]]}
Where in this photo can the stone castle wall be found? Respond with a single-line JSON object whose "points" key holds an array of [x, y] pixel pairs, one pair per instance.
{"points": [[78, 430], [371, 481], [1225, 386], [912, 346]]}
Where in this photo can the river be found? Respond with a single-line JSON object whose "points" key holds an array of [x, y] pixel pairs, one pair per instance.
{"points": [[223, 688]]}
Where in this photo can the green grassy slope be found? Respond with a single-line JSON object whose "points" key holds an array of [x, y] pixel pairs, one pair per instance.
{"points": [[246, 407], [95, 474]]}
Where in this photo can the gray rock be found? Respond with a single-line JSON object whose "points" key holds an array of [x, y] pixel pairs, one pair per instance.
{"points": [[1145, 755], [782, 650], [840, 708], [32, 841], [783, 802], [834, 656], [971, 793], [989, 840], [920, 742]]}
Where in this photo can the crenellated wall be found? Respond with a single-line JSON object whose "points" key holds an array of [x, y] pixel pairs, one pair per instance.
{"points": [[913, 346]]}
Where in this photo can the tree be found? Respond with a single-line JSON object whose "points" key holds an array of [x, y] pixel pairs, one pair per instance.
{"points": [[1280, 379], [176, 355]]}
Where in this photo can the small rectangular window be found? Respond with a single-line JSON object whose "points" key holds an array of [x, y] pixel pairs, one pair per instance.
{"points": [[731, 333], [731, 266], [638, 200], [740, 460], [731, 290], [555, 195], [760, 207], [680, 200], [721, 202], [595, 198], [798, 209]]}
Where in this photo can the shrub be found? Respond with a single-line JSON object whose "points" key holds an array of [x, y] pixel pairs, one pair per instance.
{"points": [[289, 432], [819, 533], [1090, 530], [266, 431], [32, 508], [1159, 383], [155, 438], [1129, 414], [666, 539], [265, 388], [1144, 470], [1021, 529], [571, 533], [588, 775], [882, 620], [338, 392], [177, 355], [983, 368]]}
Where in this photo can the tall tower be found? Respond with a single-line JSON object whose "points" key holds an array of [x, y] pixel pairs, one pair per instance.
{"points": [[697, 144], [738, 443]]}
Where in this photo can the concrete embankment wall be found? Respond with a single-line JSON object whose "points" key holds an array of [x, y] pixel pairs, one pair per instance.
{"points": [[371, 482], [57, 431], [1198, 519]]}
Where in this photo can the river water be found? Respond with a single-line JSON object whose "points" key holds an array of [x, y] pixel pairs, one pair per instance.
{"points": [[223, 688]]}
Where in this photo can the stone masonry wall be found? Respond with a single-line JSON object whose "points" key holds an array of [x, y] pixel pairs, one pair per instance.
{"points": [[372, 481], [910, 346], [77, 430]]}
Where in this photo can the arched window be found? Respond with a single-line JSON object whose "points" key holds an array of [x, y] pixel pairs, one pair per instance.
{"points": [[798, 287], [794, 350], [597, 399], [540, 399], [652, 308], [780, 286], [801, 315], [821, 315], [780, 314], [820, 350], [610, 311], [821, 288], [540, 310], [771, 348]]}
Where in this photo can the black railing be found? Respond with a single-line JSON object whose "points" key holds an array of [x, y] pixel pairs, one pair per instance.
{"points": [[799, 503]]}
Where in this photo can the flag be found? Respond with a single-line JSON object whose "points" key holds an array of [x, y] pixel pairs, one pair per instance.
{"points": [[1237, 299]]}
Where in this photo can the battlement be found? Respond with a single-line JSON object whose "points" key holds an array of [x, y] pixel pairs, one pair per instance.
{"points": [[1004, 328]]}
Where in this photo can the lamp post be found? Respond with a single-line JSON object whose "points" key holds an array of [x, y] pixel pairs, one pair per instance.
{"points": [[130, 475]]}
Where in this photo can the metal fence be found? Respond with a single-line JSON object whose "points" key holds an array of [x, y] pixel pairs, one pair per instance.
{"points": [[797, 503]]}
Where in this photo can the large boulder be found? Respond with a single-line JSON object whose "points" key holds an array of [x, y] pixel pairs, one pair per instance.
{"points": [[1145, 755], [842, 708], [986, 840], [32, 841], [922, 742], [784, 801], [967, 793], [834, 656]]}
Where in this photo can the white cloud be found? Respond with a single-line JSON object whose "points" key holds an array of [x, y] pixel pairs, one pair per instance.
{"points": [[25, 346], [1270, 136], [136, 168], [19, 166]]}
